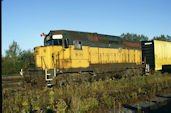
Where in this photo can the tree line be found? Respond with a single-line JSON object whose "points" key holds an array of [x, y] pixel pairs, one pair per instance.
{"points": [[16, 59], [135, 37]]}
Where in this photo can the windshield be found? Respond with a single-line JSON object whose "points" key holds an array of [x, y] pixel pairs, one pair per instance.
{"points": [[53, 42]]}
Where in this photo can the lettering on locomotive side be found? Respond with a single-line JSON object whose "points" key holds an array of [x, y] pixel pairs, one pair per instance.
{"points": [[78, 54]]}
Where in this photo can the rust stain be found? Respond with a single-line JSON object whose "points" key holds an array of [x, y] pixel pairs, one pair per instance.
{"points": [[92, 38], [132, 44]]}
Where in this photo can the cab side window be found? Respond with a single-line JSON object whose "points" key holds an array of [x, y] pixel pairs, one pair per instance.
{"points": [[66, 43], [58, 42], [77, 44]]}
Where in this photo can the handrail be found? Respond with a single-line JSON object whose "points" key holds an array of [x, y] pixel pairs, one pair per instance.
{"points": [[43, 61]]}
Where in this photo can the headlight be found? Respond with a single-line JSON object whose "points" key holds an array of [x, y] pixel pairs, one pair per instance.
{"points": [[36, 50]]}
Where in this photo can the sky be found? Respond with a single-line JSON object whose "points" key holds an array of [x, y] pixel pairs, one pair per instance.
{"points": [[24, 20]]}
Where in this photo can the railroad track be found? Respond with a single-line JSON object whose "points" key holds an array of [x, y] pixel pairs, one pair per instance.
{"points": [[9, 82], [38, 79], [12, 82]]}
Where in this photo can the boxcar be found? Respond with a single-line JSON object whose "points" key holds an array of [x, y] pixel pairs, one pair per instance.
{"points": [[157, 54]]}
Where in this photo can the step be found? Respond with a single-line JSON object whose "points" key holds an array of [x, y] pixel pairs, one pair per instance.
{"points": [[49, 85], [49, 79]]}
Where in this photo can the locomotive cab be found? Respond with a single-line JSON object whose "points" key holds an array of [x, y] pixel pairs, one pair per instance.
{"points": [[50, 55], [56, 40]]}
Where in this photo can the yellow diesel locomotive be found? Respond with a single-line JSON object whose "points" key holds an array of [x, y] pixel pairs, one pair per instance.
{"points": [[73, 51]]}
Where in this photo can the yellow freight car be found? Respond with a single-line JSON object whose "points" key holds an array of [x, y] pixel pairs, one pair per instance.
{"points": [[68, 51], [156, 54]]}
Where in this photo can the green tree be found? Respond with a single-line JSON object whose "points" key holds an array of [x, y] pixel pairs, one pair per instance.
{"points": [[168, 38], [8, 66], [26, 58], [162, 38], [14, 51], [134, 37], [15, 59], [11, 61]]}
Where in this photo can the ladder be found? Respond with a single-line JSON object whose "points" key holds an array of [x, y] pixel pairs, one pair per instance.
{"points": [[50, 77]]}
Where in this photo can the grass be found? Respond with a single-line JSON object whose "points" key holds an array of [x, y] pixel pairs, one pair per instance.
{"points": [[11, 77], [85, 97]]}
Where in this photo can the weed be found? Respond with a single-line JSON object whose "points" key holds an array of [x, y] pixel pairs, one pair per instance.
{"points": [[85, 96]]}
